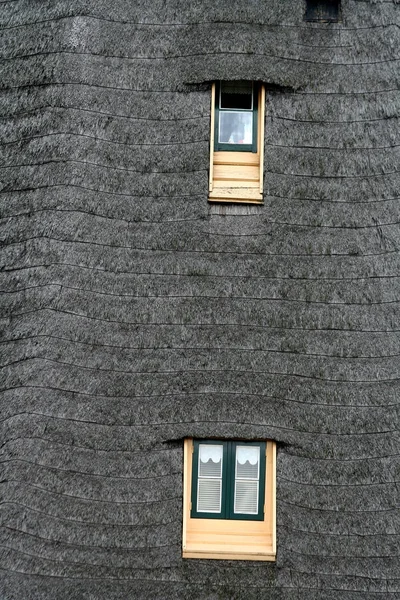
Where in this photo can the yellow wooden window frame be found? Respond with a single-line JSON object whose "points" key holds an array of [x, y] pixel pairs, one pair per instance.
{"points": [[237, 176], [225, 538]]}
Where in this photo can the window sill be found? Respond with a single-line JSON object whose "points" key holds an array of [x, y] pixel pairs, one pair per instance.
{"points": [[229, 556], [232, 198], [228, 539]]}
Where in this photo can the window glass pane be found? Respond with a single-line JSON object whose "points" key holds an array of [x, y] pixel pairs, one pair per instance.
{"points": [[247, 469], [247, 462], [210, 460], [209, 489], [235, 127], [246, 497], [236, 94], [209, 495]]}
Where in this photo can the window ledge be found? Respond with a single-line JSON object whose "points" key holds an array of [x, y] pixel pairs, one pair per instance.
{"points": [[235, 199], [229, 555], [229, 539]]}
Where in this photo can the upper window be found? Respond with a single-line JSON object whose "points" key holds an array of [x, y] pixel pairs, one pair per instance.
{"points": [[237, 142], [236, 116], [229, 500], [323, 10]]}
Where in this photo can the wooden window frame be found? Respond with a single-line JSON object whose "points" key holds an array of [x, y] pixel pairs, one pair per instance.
{"points": [[230, 538], [236, 176]]}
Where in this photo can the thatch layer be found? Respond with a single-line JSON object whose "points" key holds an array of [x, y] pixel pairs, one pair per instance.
{"points": [[135, 315]]}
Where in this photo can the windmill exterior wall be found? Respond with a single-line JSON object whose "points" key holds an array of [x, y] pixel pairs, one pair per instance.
{"points": [[136, 315]]}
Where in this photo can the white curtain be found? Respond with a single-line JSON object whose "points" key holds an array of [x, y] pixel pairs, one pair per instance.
{"points": [[208, 452], [249, 454]]}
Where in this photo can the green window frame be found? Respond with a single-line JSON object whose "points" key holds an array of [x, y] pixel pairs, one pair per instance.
{"points": [[229, 481], [219, 110]]}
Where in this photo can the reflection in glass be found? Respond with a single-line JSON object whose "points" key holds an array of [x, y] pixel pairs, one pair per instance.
{"points": [[235, 127]]}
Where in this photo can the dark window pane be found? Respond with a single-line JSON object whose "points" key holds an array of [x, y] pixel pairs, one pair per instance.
{"points": [[322, 10], [236, 94]]}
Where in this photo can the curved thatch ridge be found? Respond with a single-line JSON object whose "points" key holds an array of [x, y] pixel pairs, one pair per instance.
{"points": [[135, 315]]}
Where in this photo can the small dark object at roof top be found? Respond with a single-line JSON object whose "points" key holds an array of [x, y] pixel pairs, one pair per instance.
{"points": [[322, 10]]}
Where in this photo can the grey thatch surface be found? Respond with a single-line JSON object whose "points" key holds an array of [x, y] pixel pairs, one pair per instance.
{"points": [[135, 315]]}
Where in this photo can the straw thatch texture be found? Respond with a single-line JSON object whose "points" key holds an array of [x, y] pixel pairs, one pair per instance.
{"points": [[135, 315]]}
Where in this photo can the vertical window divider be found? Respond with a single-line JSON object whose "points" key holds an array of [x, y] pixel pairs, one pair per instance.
{"points": [[225, 480], [230, 484]]}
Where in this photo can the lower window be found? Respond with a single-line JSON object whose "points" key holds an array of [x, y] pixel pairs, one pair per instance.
{"points": [[229, 499]]}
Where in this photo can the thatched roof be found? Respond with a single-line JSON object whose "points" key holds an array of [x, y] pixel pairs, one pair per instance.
{"points": [[135, 315]]}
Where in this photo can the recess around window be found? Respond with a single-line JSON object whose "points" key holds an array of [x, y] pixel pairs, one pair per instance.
{"points": [[237, 142], [229, 500]]}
